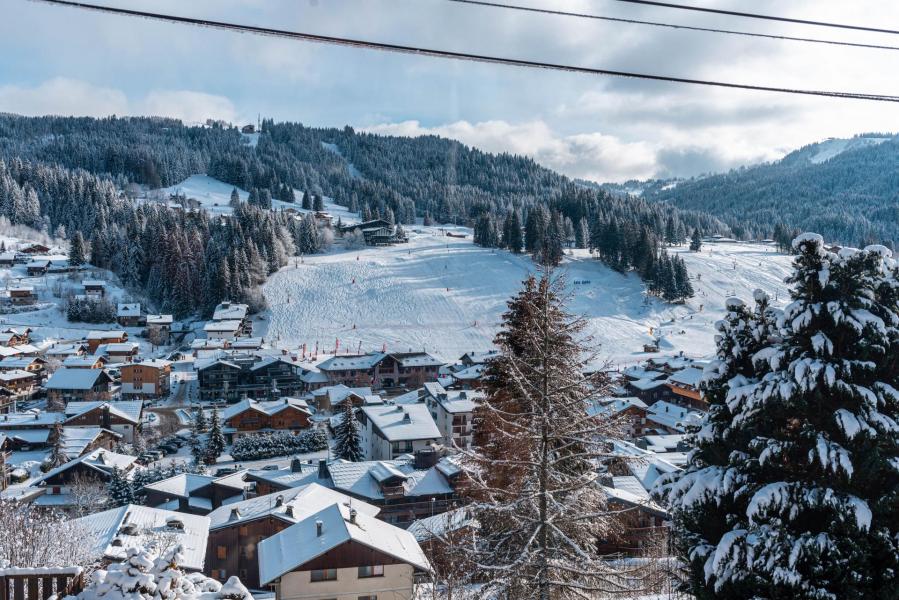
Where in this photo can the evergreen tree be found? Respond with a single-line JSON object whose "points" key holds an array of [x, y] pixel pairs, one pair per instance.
{"points": [[235, 198], [215, 445], [57, 453], [810, 489], [307, 201], [77, 251], [696, 241], [199, 421], [318, 203], [550, 251], [119, 489], [532, 478], [347, 435]]}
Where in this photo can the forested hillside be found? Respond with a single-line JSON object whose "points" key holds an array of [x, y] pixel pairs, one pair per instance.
{"points": [[82, 174], [847, 190]]}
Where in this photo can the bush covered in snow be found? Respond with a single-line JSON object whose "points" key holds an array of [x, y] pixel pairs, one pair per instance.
{"points": [[90, 310], [145, 575], [279, 444]]}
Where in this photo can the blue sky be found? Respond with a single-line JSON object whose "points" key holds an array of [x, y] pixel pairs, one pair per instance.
{"points": [[63, 61]]}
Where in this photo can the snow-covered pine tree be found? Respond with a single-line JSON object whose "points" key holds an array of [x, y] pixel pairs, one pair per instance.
{"points": [[347, 435], [77, 251], [709, 494], [119, 489], [215, 445], [57, 453], [533, 483], [696, 241], [199, 423], [819, 472]]}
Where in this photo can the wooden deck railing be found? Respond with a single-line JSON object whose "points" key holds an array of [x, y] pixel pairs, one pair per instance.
{"points": [[41, 583]]}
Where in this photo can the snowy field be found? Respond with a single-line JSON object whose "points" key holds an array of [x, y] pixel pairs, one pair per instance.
{"points": [[445, 295]]}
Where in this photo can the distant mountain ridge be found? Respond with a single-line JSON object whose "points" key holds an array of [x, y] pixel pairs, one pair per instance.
{"points": [[845, 189]]}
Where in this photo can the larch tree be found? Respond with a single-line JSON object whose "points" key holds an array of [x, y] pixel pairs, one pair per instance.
{"points": [[812, 488], [532, 478], [347, 435]]}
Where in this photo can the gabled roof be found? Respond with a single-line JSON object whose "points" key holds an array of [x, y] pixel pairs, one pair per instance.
{"points": [[673, 416], [15, 375], [439, 525], [337, 393], [230, 310], [229, 325], [181, 485], [76, 439], [350, 362], [76, 360], [109, 534], [160, 319], [117, 348], [76, 379], [19, 362], [100, 460], [479, 357], [106, 335], [128, 309], [156, 363], [362, 479], [300, 543], [30, 419], [268, 408], [404, 422], [690, 377], [301, 501], [130, 410]]}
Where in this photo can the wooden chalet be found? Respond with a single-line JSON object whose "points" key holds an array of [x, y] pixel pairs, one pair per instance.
{"points": [[22, 294], [72, 385], [250, 417], [149, 378], [95, 338]]}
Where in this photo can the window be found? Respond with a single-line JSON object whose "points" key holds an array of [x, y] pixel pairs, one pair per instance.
{"points": [[372, 597], [221, 552], [324, 575], [222, 574], [372, 571]]}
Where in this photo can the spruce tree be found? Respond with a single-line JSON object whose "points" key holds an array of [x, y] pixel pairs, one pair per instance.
{"points": [[811, 488], [318, 203], [307, 201], [57, 453], [532, 478], [696, 241], [215, 445], [347, 435], [119, 489], [199, 419], [77, 250], [235, 198]]}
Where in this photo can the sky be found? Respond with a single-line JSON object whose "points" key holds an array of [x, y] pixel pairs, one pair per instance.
{"points": [[56, 60]]}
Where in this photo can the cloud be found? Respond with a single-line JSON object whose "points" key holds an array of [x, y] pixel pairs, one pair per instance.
{"points": [[72, 97]]}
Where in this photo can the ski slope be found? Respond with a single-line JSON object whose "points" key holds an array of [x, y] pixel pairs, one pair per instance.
{"points": [[446, 295]]}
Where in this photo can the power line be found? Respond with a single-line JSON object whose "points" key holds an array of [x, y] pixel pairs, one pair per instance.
{"points": [[548, 11], [419, 51], [734, 13]]}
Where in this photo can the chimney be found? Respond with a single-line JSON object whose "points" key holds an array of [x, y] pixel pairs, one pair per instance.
{"points": [[235, 514], [407, 418], [353, 516], [288, 510], [279, 500], [296, 465], [319, 527], [322, 469]]}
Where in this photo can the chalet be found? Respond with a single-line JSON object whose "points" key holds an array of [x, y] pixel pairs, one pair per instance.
{"points": [[195, 494], [246, 344], [247, 376], [94, 467], [453, 412], [5, 453], [250, 417], [122, 352], [248, 128], [382, 370], [18, 381], [29, 420], [146, 378], [21, 294], [300, 473], [444, 537], [78, 441], [232, 311], [236, 530], [128, 314], [94, 288], [87, 361], [34, 249], [378, 232], [15, 336], [7, 259], [389, 431], [340, 548], [37, 267], [630, 408], [75, 385], [684, 386], [159, 329], [8, 400], [649, 389], [328, 398], [222, 330], [642, 522], [63, 351], [108, 535], [666, 417], [206, 348], [122, 417], [95, 338]]}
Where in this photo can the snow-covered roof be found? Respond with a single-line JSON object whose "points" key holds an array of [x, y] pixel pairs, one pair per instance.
{"points": [[17, 362], [230, 325], [64, 349], [106, 335], [180, 485], [126, 409], [21, 288], [29, 436], [663, 443], [251, 343], [291, 477], [101, 460], [614, 405], [634, 499], [128, 309], [15, 375], [205, 343], [455, 401], [93, 283], [300, 501], [673, 416], [76, 439], [440, 525], [479, 357], [74, 379], [269, 408], [637, 372], [111, 533], [31, 419], [363, 478], [118, 348], [404, 422], [687, 377], [417, 359], [159, 319], [337, 393], [344, 363], [647, 384], [79, 361], [227, 311], [156, 363], [338, 524]]}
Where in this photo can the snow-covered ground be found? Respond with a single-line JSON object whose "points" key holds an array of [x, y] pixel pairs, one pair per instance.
{"points": [[446, 296]]}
